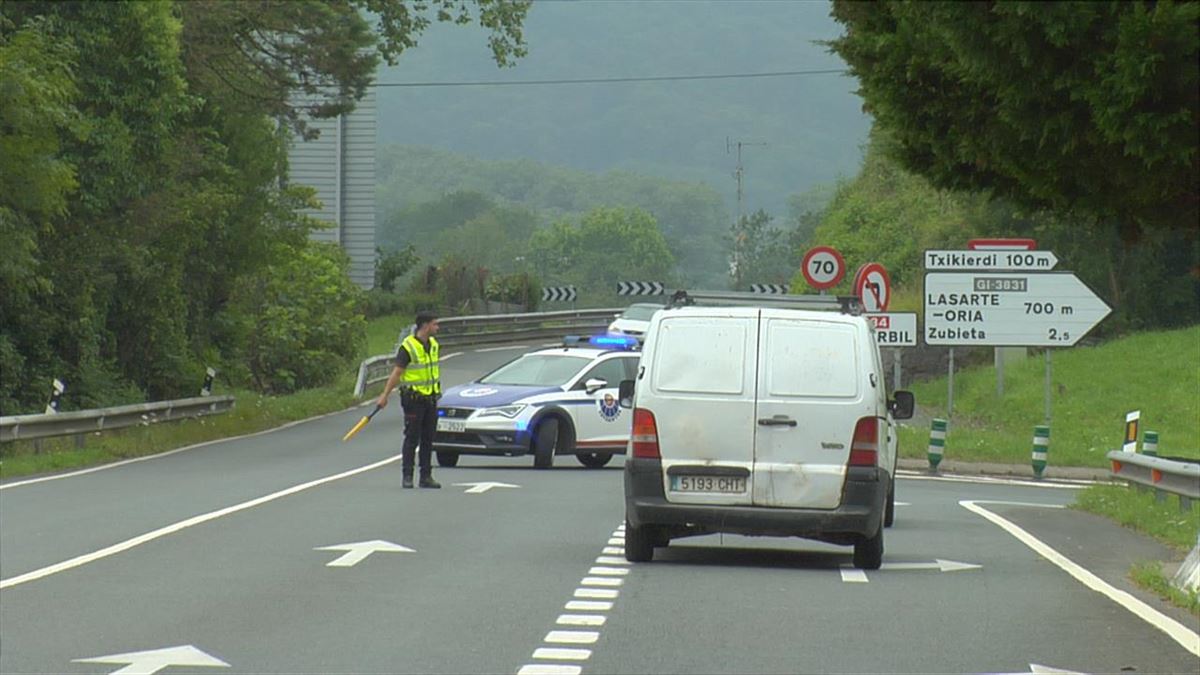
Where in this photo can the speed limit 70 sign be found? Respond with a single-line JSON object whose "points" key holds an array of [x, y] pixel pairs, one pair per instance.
{"points": [[823, 267]]}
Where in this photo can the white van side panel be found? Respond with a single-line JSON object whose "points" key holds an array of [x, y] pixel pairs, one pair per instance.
{"points": [[813, 372], [701, 372]]}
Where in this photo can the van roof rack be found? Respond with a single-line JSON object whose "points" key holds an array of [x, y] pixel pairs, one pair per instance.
{"points": [[846, 304]]}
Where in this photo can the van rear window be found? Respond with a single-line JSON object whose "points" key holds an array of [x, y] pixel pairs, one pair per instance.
{"points": [[807, 358], [701, 356]]}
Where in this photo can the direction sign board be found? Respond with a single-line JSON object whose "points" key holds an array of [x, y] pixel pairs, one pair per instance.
{"points": [[895, 329], [999, 309], [1036, 261], [873, 286], [823, 267]]}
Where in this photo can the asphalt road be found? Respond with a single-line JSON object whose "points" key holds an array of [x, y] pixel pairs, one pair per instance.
{"points": [[220, 552]]}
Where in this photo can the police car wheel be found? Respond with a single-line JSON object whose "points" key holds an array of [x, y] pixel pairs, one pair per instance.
{"points": [[544, 441], [447, 458], [594, 460]]}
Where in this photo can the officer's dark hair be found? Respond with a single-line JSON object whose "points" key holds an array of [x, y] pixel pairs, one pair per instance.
{"points": [[424, 317]]}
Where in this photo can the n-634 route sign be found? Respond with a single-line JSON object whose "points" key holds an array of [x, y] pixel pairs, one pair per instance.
{"points": [[1004, 309]]}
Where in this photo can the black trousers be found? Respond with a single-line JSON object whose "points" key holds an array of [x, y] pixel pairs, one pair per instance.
{"points": [[420, 423]]}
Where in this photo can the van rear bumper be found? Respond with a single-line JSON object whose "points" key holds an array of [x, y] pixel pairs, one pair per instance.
{"points": [[859, 515]]}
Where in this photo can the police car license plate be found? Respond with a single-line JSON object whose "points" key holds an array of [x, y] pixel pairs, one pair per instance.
{"points": [[733, 484], [453, 426]]}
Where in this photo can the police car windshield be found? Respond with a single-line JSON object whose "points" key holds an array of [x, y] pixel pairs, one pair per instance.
{"points": [[537, 370], [640, 312]]}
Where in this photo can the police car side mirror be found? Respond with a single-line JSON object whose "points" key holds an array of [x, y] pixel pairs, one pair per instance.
{"points": [[902, 405], [594, 385], [625, 394]]}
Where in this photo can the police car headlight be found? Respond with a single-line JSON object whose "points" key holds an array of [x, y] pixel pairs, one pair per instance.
{"points": [[509, 411]]}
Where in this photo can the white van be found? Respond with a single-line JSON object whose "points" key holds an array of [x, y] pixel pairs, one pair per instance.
{"points": [[761, 421]]}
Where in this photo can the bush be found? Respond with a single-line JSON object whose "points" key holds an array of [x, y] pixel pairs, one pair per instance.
{"points": [[521, 288], [301, 320]]}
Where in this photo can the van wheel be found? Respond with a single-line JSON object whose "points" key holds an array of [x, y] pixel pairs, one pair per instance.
{"points": [[544, 442], [639, 543], [889, 513], [447, 458], [594, 460], [868, 553]]}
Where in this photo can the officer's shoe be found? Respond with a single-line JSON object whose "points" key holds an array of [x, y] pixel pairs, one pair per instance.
{"points": [[407, 482], [427, 481]]}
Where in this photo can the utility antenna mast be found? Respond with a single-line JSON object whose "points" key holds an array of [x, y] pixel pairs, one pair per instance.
{"points": [[739, 237]]}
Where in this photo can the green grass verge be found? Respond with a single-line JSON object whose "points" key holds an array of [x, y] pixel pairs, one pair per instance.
{"points": [[1092, 390], [1140, 511]]}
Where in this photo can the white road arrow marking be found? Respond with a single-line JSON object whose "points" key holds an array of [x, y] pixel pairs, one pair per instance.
{"points": [[937, 564], [857, 576], [480, 488], [154, 660], [355, 553], [1048, 670]]}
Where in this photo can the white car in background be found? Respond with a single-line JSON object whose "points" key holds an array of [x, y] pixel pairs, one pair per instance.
{"points": [[635, 319]]}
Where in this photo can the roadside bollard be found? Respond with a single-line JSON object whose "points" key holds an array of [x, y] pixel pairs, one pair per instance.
{"points": [[1150, 444], [1041, 445], [937, 443]]}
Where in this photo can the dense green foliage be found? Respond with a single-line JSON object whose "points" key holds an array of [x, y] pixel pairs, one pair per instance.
{"points": [[1088, 109], [148, 233], [486, 211]]}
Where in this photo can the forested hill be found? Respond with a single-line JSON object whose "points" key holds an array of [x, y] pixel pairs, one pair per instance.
{"points": [[813, 125], [424, 193]]}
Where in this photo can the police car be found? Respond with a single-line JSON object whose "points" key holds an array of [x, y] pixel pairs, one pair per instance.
{"points": [[557, 401]]}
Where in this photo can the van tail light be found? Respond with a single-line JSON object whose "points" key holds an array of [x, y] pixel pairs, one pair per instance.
{"points": [[864, 449], [645, 435]]}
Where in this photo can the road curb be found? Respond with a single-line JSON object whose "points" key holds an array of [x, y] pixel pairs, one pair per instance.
{"points": [[949, 466]]}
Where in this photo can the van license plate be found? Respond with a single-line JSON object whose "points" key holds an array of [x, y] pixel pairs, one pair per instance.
{"points": [[453, 426], [708, 484]]}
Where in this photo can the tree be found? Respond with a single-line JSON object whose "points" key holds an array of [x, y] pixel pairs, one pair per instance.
{"points": [[764, 252], [608, 245], [1081, 108], [291, 58]]}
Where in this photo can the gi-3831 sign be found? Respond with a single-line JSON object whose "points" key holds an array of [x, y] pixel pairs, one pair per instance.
{"points": [[1049, 309]]}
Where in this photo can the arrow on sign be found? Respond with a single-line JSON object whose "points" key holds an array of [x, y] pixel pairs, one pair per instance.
{"points": [[480, 488], [154, 660], [850, 575], [639, 288], [355, 553]]}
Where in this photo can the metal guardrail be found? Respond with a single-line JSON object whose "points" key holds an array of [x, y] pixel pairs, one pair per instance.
{"points": [[1180, 478], [495, 329], [27, 427]]}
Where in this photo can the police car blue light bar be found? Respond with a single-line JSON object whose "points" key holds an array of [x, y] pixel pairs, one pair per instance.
{"points": [[613, 341]]}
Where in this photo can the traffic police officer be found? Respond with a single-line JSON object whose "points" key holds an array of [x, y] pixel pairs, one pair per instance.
{"points": [[421, 386]]}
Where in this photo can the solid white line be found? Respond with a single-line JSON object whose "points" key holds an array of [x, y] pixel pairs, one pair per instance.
{"points": [[540, 669], [580, 620], [599, 593], [572, 637], [449, 356], [564, 653], [609, 571], [1177, 631], [1077, 485], [183, 525], [602, 581], [168, 453], [500, 349], [610, 560], [614, 550], [588, 606], [854, 576]]}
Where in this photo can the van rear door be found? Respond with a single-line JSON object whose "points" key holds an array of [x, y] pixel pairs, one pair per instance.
{"points": [[701, 391], [809, 397]]}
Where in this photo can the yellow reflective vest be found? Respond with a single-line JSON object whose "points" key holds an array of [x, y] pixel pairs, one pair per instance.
{"points": [[422, 374]]}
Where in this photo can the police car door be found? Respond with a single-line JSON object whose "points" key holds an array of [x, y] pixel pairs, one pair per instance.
{"points": [[601, 424]]}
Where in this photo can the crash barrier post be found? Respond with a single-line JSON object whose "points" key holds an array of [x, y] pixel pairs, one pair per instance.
{"points": [[1041, 446], [937, 443]]}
